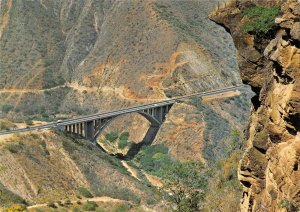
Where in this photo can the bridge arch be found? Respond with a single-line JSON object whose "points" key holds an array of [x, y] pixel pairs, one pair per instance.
{"points": [[92, 127], [148, 138], [153, 122]]}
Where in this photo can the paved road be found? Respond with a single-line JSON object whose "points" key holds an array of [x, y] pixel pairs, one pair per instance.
{"points": [[121, 111]]}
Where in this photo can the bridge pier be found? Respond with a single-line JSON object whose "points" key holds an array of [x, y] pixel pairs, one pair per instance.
{"points": [[89, 130], [81, 129]]}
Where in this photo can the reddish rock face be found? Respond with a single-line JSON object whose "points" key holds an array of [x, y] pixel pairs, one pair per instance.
{"points": [[271, 66]]}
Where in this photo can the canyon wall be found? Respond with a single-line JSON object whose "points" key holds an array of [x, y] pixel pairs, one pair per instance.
{"points": [[270, 64]]}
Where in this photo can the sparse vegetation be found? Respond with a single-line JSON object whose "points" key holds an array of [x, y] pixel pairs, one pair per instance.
{"points": [[260, 19], [89, 206], [7, 198], [84, 192], [185, 184], [116, 142], [168, 15], [6, 108], [15, 147], [153, 158], [122, 208], [6, 124], [17, 208], [217, 131], [51, 205], [288, 205]]}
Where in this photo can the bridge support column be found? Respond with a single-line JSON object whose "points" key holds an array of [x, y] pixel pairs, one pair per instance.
{"points": [[78, 129], [148, 139], [81, 129], [89, 130], [150, 135], [158, 114], [73, 128]]}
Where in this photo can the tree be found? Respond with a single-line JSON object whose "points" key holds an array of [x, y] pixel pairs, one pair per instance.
{"points": [[185, 183]]}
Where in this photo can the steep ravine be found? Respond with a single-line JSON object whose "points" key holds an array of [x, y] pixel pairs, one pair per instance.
{"points": [[269, 169]]}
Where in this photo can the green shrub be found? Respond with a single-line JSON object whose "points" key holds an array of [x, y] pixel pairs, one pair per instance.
{"points": [[284, 203], [28, 121], [6, 108], [289, 205], [89, 206], [124, 136], [122, 144], [112, 136], [261, 19], [84, 192], [15, 147]]}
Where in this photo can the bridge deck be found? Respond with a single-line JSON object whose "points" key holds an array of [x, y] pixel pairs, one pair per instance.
{"points": [[114, 113]]}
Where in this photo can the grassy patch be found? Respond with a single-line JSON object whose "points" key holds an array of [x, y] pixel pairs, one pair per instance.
{"points": [[260, 19]]}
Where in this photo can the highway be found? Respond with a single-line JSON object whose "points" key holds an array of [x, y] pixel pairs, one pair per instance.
{"points": [[121, 111]]}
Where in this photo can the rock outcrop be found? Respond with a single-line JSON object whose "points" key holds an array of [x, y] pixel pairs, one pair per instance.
{"points": [[270, 64]]}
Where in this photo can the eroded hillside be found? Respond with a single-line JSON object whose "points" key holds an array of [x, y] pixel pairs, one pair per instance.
{"points": [[47, 167]]}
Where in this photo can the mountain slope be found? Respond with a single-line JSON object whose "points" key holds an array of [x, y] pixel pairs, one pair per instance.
{"points": [[46, 167]]}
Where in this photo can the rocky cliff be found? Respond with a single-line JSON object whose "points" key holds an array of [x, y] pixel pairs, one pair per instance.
{"points": [[270, 64]]}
